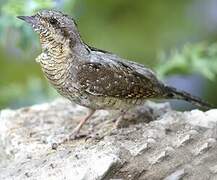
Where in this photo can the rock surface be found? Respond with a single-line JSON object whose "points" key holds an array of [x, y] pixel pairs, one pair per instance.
{"points": [[154, 143]]}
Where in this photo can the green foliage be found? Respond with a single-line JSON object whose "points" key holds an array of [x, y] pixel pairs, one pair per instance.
{"points": [[14, 7], [8, 21], [199, 58]]}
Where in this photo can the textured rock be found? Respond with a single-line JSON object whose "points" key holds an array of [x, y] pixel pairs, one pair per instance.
{"points": [[171, 146]]}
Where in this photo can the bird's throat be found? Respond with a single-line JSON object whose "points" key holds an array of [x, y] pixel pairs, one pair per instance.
{"points": [[52, 49]]}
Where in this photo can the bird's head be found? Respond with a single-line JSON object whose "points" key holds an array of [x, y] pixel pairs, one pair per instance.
{"points": [[53, 25]]}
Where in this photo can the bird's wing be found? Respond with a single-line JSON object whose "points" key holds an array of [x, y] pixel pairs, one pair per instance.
{"points": [[117, 79]]}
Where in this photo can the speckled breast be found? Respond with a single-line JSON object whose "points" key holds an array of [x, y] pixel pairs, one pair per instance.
{"points": [[57, 74]]}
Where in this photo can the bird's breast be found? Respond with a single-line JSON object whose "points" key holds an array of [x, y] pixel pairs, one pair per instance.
{"points": [[55, 69]]}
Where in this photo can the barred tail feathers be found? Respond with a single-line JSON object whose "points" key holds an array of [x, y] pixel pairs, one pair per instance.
{"points": [[173, 93]]}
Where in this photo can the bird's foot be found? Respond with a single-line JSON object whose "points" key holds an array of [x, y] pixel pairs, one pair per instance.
{"points": [[94, 136], [75, 135], [120, 122], [76, 132]]}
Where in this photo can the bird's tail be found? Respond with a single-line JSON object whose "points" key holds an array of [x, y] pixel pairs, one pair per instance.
{"points": [[173, 93]]}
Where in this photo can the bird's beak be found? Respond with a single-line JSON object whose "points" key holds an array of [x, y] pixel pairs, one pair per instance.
{"points": [[32, 20], [28, 19]]}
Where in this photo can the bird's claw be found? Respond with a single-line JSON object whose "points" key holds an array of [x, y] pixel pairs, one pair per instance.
{"points": [[75, 136], [94, 137], [71, 137]]}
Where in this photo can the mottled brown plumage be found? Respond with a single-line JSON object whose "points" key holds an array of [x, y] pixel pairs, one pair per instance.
{"points": [[90, 77]]}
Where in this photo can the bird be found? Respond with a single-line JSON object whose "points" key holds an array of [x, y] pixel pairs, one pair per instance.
{"points": [[91, 77]]}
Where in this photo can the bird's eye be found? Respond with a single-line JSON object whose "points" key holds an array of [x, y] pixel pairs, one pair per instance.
{"points": [[53, 21]]}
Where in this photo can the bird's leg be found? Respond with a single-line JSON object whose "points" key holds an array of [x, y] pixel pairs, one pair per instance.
{"points": [[119, 121], [76, 130]]}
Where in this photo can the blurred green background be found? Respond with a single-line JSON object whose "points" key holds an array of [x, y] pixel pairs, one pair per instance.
{"points": [[175, 38]]}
